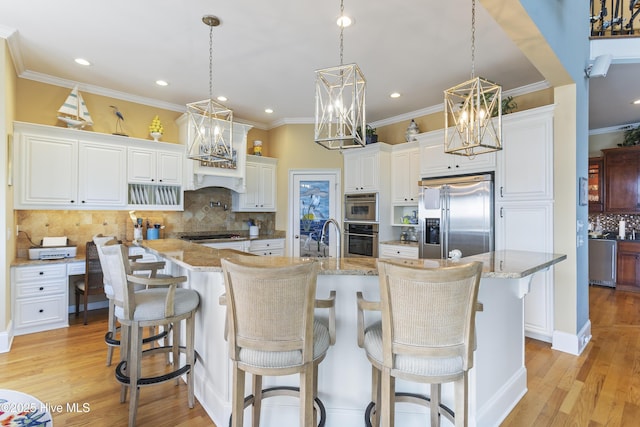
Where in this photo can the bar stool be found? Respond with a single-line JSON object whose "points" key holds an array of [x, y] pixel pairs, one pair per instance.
{"points": [[272, 330], [167, 305], [426, 334], [149, 269]]}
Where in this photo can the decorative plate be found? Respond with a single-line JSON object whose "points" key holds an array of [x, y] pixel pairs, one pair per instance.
{"points": [[21, 409]]}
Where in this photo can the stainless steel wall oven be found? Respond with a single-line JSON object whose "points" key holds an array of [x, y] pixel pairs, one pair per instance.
{"points": [[361, 207], [360, 239]]}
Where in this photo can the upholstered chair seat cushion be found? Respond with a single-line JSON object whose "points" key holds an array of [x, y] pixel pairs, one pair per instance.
{"points": [[150, 303], [432, 367], [283, 359]]}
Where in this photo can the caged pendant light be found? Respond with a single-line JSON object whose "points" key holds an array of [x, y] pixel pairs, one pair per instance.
{"points": [[212, 123], [340, 102], [473, 112]]}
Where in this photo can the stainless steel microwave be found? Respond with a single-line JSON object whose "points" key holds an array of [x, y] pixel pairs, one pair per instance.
{"points": [[361, 207]]}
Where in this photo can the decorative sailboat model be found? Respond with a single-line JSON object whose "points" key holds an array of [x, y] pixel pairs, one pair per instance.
{"points": [[74, 112]]}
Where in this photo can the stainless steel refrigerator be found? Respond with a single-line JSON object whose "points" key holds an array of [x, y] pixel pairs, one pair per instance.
{"points": [[456, 213]]}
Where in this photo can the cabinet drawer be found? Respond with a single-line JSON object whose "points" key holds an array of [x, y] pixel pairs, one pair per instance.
{"points": [[40, 289], [393, 251], [266, 245], [269, 252], [40, 273], [75, 268], [34, 312]]}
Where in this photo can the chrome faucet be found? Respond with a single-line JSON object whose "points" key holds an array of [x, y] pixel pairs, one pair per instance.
{"points": [[338, 239]]}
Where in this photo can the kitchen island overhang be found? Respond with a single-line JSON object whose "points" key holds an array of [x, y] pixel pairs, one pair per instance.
{"points": [[496, 382]]}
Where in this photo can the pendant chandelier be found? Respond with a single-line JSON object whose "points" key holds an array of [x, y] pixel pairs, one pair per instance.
{"points": [[211, 141], [340, 102], [473, 111]]}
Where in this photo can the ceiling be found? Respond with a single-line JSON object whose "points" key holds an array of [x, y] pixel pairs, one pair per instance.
{"points": [[265, 53]]}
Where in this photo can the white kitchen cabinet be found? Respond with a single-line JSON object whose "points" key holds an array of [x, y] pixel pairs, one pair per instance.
{"points": [[398, 251], [525, 164], [101, 174], [364, 168], [267, 247], [260, 194], [238, 245], [62, 170], [529, 227], [405, 174], [39, 297], [156, 166], [434, 162]]}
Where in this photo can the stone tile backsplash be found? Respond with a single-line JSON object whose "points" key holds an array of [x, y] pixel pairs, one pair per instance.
{"points": [[81, 226], [609, 222]]}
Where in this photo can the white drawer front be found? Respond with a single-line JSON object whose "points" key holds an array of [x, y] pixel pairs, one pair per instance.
{"points": [[74, 268], [39, 311], [269, 252], [266, 244], [38, 289], [40, 273]]}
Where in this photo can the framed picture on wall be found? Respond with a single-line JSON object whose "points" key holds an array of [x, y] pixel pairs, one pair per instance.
{"points": [[583, 191]]}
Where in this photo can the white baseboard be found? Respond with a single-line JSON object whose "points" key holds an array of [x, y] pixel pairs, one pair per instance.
{"points": [[6, 338], [571, 343]]}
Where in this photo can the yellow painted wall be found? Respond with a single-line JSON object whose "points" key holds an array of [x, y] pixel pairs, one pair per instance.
{"points": [[7, 221], [294, 148]]}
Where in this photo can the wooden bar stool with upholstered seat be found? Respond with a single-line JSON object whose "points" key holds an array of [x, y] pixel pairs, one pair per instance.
{"points": [[272, 330], [162, 303], [426, 334], [148, 269]]}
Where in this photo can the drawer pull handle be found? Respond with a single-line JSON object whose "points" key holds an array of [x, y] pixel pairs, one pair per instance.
{"points": [[41, 273], [41, 311], [41, 288]]}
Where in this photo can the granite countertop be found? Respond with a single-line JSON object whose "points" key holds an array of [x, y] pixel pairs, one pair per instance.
{"points": [[499, 264]]}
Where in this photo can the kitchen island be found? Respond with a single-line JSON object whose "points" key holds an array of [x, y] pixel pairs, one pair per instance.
{"points": [[497, 381]]}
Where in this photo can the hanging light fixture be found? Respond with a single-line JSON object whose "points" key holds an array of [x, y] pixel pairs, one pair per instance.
{"points": [[473, 111], [340, 98], [210, 121]]}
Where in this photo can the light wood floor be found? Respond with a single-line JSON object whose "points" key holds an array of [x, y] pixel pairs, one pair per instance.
{"points": [[599, 388]]}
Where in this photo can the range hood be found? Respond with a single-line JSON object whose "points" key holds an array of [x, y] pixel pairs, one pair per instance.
{"points": [[198, 175]]}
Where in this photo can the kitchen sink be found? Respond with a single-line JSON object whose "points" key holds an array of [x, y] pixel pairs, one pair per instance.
{"points": [[219, 236]]}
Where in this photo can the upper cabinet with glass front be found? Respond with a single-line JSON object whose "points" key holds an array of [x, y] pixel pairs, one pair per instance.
{"points": [[596, 176]]}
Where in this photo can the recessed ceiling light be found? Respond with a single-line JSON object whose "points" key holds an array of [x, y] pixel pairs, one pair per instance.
{"points": [[345, 21], [162, 83], [222, 98], [395, 95], [636, 102], [82, 61], [268, 110]]}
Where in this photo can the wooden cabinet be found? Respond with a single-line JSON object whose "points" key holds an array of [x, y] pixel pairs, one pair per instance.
{"points": [[405, 174], [260, 194], [154, 166], [267, 247], [39, 298], [398, 251], [628, 266], [596, 178], [365, 167], [434, 162], [621, 180]]}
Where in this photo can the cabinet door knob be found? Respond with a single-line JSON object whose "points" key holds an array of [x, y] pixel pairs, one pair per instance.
{"points": [[41, 288], [73, 201], [41, 311], [41, 273]]}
